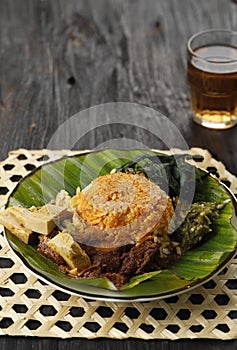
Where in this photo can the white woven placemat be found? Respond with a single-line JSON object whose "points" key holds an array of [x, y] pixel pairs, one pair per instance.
{"points": [[31, 307]]}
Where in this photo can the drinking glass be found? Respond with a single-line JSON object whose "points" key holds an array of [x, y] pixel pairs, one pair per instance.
{"points": [[212, 77]]}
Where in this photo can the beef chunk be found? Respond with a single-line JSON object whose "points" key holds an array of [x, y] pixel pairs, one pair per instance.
{"points": [[148, 256], [121, 264], [139, 258], [108, 260], [93, 271], [117, 279]]}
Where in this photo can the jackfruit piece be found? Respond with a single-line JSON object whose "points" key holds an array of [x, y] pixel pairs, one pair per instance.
{"points": [[70, 251], [13, 220], [28, 220]]}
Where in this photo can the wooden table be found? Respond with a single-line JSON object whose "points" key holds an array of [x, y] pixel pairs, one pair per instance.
{"points": [[59, 57]]}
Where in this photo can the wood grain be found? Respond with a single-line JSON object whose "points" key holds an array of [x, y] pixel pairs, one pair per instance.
{"points": [[59, 57]]}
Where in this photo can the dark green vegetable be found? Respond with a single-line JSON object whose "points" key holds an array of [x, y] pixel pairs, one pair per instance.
{"points": [[165, 171], [197, 224]]}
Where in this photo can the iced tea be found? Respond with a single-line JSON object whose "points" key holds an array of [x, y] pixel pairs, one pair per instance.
{"points": [[212, 76]]}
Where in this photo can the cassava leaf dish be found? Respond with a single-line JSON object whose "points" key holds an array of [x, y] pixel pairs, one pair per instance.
{"points": [[195, 266]]}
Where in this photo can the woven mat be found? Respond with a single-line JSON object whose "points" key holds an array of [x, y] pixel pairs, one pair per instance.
{"points": [[30, 307]]}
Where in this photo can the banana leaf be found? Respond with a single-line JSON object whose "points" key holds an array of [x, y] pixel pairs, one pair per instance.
{"points": [[193, 268]]}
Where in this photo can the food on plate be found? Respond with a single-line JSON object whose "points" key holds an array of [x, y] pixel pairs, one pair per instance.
{"points": [[117, 227], [119, 209], [197, 223], [65, 246], [14, 220], [23, 222]]}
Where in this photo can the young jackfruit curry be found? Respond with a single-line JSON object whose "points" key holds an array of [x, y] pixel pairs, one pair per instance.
{"points": [[116, 227]]}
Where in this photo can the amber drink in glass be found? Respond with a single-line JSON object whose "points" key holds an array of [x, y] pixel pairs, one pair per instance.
{"points": [[212, 77]]}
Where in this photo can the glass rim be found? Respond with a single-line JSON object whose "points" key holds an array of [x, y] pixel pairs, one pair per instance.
{"points": [[226, 31]]}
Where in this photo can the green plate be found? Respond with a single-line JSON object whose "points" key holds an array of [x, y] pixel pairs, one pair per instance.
{"points": [[194, 268]]}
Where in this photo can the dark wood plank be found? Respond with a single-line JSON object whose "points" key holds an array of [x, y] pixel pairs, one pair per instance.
{"points": [[106, 344], [58, 60], [59, 57]]}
